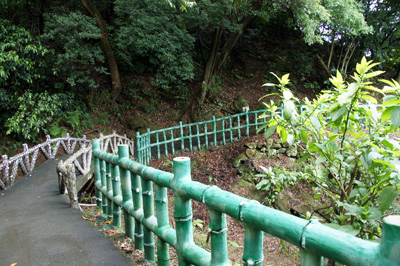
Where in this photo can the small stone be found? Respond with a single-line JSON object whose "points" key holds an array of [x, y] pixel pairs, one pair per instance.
{"points": [[269, 143], [240, 160], [278, 141], [260, 155], [271, 153], [250, 145], [281, 151], [291, 151], [285, 144], [251, 153], [276, 146]]}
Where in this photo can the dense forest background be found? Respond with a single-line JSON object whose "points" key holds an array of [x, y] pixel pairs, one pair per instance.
{"points": [[72, 65]]}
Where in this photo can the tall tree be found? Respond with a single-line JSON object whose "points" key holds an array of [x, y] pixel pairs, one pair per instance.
{"points": [[106, 46], [312, 18], [384, 44]]}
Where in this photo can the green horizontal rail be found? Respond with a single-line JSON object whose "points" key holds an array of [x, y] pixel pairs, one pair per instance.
{"points": [[131, 190]]}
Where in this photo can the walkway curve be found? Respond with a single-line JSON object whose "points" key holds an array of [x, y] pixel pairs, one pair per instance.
{"points": [[37, 226]]}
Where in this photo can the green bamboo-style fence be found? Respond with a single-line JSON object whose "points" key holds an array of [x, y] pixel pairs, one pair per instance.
{"points": [[197, 136], [123, 185]]}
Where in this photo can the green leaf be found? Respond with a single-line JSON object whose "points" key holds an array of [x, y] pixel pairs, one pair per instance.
{"points": [[386, 198], [386, 114], [269, 131], [304, 135], [395, 101], [269, 85], [395, 117], [287, 94], [284, 135], [305, 157], [384, 163], [369, 98], [285, 79], [261, 128], [262, 183], [315, 122], [320, 159], [374, 74], [349, 229], [338, 113]]}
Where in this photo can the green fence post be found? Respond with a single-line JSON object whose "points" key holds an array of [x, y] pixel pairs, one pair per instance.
{"points": [[172, 142], [148, 211], [97, 173], [309, 258], [190, 139], [109, 190], [219, 249], [148, 143], [123, 153], [253, 247], [158, 146], [198, 137], [230, 129], [223, 132], [256, 120], [162, 220], [206, 135], [238, 126], [165, 143], [390, 242], [215, 131], [138, 147], [104, 186], [137, 207], [182, 139], [247, 122], [183, 208], [116, 184]]}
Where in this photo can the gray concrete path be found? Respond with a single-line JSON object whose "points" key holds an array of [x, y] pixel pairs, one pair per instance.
{"points": [[37, 227]]}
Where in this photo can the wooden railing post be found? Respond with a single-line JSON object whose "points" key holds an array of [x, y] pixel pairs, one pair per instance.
{"points": [[71, 186]]}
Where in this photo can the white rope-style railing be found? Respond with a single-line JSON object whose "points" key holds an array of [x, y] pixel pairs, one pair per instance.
{"points": [[109, 143], [26, 160], [82, 162]]}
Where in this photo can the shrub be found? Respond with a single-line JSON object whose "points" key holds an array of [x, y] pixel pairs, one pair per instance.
{"points": [[151, 30], [343, 132], [78, 56]]}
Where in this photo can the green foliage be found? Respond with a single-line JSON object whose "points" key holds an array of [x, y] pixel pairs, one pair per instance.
{"points": [[78, 57], [21, 58], [34, 111], [150, 30], [69, 119], [383, 44], [273, 180], [343, 133]]}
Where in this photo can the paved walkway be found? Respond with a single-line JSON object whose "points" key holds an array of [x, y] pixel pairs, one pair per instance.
{"points": [[37, 227]]}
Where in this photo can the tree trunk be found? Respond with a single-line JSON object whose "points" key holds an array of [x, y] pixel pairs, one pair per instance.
{"points": [[331, 52], [327, 71], [217, 58], [210, 66], [106, 47]]}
